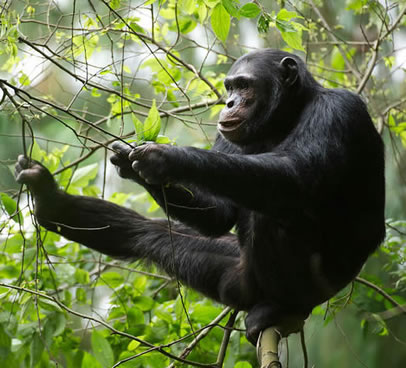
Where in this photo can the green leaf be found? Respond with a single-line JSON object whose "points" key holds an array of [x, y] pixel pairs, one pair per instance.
{"points": [[135, 316], [11, 207], [35, 152], [82, 276], [356, 5], [202, 12], [264, 22], [133, 345], [154, 206], [13, 244], [152, 124], [186, 25], [391, 121], [158, 332], [287, 15], [9, 271], [84, 174], [119, 198], [204, 313], [81, 295], [115, 4], [138, 126], [231, 8], [154, 64], [111, 279], [24, 79], [293, 39], [90, 361], [164, 315], [102, 349], [58, 320], [187, 6], [144, 303], [91, 191], [5, 343], [284, 26], [250, 10], [337, 60], [243, 365], [36, 349], [220, 22], [49, 305], [95, 92], [9, 203], [162, 139], [403, 138], [140, 283]]}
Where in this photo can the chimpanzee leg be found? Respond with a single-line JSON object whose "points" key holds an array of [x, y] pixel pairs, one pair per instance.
{"points": [[213, 266], [209, 265]]}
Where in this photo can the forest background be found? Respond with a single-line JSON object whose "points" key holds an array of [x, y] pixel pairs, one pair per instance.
{"points": [[77, 75]]}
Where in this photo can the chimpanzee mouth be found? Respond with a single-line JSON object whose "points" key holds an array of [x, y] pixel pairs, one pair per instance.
{"points": [[229, 125]]}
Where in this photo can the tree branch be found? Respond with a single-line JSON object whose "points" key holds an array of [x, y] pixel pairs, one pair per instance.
{"points": [[381, 292], [202, 335], [152, 347]]}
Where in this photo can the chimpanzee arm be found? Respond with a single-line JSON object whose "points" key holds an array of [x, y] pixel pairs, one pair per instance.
{"points": [[254, 181], [194, 206], [211, 266]]}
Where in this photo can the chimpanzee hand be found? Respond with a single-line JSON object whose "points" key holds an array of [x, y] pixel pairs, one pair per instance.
{"points": [[122, 162], [154, 162], [39, 180]]}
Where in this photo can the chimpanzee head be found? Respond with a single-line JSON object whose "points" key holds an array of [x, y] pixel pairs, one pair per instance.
{"points": [[260, 85]]}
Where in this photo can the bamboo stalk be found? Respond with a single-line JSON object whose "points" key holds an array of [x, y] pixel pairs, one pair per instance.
{"points": [[268, 341], [267, 348]]}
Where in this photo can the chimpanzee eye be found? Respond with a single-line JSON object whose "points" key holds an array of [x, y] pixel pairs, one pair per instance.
{"points": [[242, 83]]}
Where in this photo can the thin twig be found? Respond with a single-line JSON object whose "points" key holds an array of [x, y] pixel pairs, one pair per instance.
{"points": [[381, 292], [226, 339], [334, 38], [202, 335]]}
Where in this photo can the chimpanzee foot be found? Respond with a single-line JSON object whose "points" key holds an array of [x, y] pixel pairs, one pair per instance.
{"points": [[262, 316], [36, 176]]}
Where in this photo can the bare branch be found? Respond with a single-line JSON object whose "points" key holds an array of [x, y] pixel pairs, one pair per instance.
{"points": [[381, 292]]}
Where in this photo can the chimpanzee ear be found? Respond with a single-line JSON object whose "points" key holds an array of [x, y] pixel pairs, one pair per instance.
{"points": [[289, 69]]}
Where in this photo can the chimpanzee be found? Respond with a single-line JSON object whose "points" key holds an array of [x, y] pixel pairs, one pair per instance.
{"points": [[298, 169]]}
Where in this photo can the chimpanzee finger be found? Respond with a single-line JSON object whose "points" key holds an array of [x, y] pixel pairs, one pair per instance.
{"points": [[118, 160], [22, 169], [17, 169], [138, 152], [143, 177], [135, 165], [26, 176], [120, 157], [23, 162], [122, 148]]}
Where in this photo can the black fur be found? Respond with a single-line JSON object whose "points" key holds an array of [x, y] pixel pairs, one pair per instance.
{"points": [[297, 168]]}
